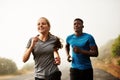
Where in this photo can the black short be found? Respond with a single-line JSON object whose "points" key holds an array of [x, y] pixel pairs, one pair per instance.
{"points": [[54, 76], [76, 74], [38, 78]]}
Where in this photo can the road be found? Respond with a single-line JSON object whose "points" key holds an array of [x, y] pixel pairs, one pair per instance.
{"points": [[102, 75], [29, 76], [98, 75]]}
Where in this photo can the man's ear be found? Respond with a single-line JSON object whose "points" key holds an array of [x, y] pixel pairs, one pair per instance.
{"points": [[83, 26]]}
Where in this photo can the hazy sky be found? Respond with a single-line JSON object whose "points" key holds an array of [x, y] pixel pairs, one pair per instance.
{"points": [[18, 20]]}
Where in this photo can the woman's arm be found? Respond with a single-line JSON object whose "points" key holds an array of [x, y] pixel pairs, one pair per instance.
{"points": [[27, 54], [57, 57], [29, 50]]}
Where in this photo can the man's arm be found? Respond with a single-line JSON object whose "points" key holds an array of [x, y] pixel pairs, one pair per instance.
{"points": [[92, 52], [67, 49]]}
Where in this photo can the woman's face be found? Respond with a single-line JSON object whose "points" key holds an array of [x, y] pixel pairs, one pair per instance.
{"points": [[43, 26]]}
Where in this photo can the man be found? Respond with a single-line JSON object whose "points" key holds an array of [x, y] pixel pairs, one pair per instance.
{"points": [[83, 47]]}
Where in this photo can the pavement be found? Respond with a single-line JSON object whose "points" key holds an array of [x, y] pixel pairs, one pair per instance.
{"points": [[98, 75]]}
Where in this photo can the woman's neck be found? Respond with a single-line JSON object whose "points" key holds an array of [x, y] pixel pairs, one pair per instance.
{"points": [[43, 37]]}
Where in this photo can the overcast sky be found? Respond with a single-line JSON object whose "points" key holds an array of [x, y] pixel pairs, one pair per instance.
{"points": [[18, 19]]}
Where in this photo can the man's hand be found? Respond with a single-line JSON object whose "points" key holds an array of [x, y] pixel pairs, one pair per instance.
{"points": [[76, 49], [69, 59]]}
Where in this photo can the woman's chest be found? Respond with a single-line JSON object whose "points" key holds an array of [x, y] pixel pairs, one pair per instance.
{"points": [[43, 47]]}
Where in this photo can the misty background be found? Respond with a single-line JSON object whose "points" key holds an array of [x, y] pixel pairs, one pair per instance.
{"points": [[18, 22]]}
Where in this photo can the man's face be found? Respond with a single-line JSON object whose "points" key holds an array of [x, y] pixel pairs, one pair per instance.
{"points": [[78, 25]]}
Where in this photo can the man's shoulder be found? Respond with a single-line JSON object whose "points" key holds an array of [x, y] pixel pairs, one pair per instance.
{"points": [[87, 34]]}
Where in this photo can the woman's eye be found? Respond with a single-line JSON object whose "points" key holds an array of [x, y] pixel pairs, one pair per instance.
{"points": [[38, 23], [43, 23], [74, 23]]}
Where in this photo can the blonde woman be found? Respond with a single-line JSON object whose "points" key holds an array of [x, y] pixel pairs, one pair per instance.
{"points": [[44, 48]]}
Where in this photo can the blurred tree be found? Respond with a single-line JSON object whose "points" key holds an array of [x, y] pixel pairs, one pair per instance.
{"points": [[7, 66], [116, 47], [28, 67]]}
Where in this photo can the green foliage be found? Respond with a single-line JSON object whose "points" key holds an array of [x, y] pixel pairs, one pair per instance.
{"points": [[118, 62], [7, 66], [116, 47]]}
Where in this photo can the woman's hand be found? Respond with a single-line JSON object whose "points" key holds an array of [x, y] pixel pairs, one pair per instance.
{"points": [[57, 61], [34, 41]]}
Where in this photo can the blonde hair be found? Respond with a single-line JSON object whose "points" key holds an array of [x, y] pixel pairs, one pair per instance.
{"points": [[46, 20]]}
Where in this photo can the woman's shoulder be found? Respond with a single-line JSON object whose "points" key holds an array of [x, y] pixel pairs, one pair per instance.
{"points": [[53, 36]]}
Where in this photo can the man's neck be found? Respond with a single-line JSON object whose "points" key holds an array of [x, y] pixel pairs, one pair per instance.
{"points": [[78, 33]]}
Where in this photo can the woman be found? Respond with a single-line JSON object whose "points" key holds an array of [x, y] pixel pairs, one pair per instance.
{"points": [[44, 48]]}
